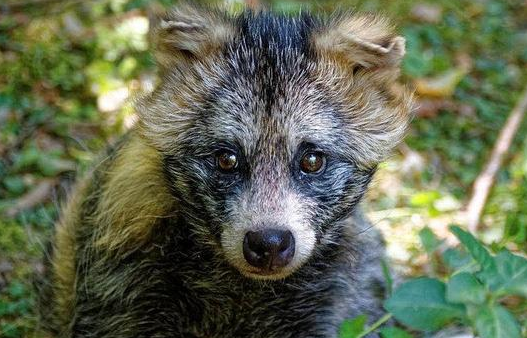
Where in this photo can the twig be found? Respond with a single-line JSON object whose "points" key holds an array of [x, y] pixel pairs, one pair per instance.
{"points": [[485, 180], [375, 325], [34, 197]]}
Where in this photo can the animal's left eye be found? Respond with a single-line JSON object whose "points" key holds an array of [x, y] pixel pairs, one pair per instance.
{"points": [[313, 163], [226, 161]]}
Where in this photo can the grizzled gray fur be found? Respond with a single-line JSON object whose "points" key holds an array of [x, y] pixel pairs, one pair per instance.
{"points": [[230, 210]]}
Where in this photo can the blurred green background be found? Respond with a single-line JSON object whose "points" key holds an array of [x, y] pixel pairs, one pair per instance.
{"points": [[70, 69]]}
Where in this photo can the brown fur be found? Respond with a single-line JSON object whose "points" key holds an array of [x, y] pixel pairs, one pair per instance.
{"points": [[63, 261], [134, 197]]}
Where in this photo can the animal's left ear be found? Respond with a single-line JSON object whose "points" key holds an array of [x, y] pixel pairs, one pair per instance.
{"points": [[188, 33], [366, 41]]}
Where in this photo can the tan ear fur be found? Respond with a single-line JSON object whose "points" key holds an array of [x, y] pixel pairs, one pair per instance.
{"points": [[188, 32], [365, 40]]}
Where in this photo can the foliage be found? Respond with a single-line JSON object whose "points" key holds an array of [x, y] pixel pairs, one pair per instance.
{"points": [[474, 294]]}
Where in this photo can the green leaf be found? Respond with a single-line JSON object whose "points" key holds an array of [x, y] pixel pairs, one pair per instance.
{"points": [[456, 259], [352, 328], [465, 288], [9, 330], [429, 240], [506, 273], [4, 309], [496, 322], [421, 304], [516, 222], [394, 332], [16, 290], [26, 158], [14, 184], [513, 272], [489, 271]]}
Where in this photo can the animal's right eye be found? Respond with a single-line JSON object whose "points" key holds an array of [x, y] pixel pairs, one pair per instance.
{"points": [[226, 161], [312, 163]]}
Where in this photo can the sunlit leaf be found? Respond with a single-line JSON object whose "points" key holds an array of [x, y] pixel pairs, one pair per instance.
{"points": [[425, 198], [353, 328]]}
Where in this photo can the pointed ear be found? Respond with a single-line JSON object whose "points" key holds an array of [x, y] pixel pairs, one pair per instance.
{"points": [[188, 32], [366, 41]]}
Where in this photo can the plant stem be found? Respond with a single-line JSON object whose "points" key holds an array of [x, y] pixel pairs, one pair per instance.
{"points": [[375, 325]]}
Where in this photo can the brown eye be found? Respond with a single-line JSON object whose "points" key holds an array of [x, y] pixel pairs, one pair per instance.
{"points": [[227, 161], [312, 163]]}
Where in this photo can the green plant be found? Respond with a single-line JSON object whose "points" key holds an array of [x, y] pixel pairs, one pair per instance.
{"points": [[474, 294]]}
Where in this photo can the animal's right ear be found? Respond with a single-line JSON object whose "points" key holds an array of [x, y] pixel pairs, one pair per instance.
{"points": [[366, 41], [187, 33]]}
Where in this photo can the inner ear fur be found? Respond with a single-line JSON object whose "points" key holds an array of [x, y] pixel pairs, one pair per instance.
{"points": [[366, 40], [189, 32]]}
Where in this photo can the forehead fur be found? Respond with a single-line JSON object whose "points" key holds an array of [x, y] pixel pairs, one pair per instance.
{"points": [[281, 78]]}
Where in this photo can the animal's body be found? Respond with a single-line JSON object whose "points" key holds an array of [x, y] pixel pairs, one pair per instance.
{"points": [[230, 210]]}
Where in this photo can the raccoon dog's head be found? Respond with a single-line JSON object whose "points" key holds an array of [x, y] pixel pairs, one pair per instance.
{"points": [[272, 126]]}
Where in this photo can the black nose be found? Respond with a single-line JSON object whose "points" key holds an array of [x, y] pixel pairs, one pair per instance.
{"points": [[269, 249]]}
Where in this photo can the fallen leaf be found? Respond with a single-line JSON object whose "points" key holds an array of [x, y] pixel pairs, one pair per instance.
{"points": [[46, 91], [428, 108], [442, 85], [467, 110], [45, 141]]}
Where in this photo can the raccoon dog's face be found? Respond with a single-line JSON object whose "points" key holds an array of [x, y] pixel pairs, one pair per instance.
{"points": [[271, 127]]}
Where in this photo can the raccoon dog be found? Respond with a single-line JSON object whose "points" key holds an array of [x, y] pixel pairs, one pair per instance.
{"points": [[230, 210]]}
